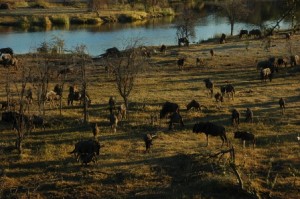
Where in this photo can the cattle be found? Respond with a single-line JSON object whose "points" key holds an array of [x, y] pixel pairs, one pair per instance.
{"points": [[199, 61], [58, 90], [9, 116], [111, 52], [222, 39], [249, 115], [212, 52], [95, 130], [282, 61], [180, 63], [51, 97], [7, 105], [255, 33], [209, 128], [112, 104], [288, 35], [86, 151], [245, 136], [114, 120], [243, 32], [7, 51], [148, 138], [294, 60], [270, 63], [168, 107], [282, 105], [122, 110], [183, 41], [210, 86], [175, 118], [8, 60], [37, 121], [228, 89], [235, 117], [266, 74], [17, 120], [75, 95], [64, 71], [163, 48], [193, 104], [219, 97]]}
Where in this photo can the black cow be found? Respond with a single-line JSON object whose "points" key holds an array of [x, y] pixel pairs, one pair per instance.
{"points": [[222, 39], [210, 86], [148, 138], [183, 41], [249, 115], [180, 63], [282, 61], [243, 32], [282, 105], [228, 89], [168, 107], [77, 96], [219, 97], [211, 129], [235, 117], [86, 151], [255, 33], [245, 136], [112, 52], [112, 104], [38, 121], [175, 118]]}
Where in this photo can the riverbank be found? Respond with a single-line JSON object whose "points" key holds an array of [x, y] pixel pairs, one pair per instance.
{"points": [[67, 15]]}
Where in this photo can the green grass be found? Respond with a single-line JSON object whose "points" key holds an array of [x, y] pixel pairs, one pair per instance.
{"points": [[178, 165]]}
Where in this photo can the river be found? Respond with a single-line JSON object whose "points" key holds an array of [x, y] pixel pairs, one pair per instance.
{"points": [[98, 38]]}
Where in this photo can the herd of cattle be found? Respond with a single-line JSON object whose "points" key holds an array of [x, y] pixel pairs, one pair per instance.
{"points": [[87, 150]]}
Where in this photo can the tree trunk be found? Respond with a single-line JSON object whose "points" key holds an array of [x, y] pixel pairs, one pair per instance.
{"points": [[231, 27]]}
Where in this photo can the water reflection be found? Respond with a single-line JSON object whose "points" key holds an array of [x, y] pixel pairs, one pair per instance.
{"points": [[153, 32]]}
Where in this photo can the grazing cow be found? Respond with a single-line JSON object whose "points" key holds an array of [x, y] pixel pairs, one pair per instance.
{"points": [[270, 63], [163, 48], [211, 129], [51, 97], [243, 32], [222, 39], [180, 63], [219, 97], [212, 52], [255, 33], [183, 41], [122, 110], [64, 71], [75, 95], [8, 60], [266, 74], [282, 105], [175, 118], [282, 61], [86, 151], [245, 136], [210, 86], [37, 121], [193, 104], [294, 60], [112, 104], [95, 130], [7, 51], [249, 115], [168, 107], [148, 138], [235, 117], [228, 89]]}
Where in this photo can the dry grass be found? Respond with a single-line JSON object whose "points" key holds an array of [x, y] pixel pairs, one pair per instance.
{"points": [[177, 167]]}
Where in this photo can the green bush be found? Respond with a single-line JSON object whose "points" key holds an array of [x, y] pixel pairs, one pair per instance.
{"points": [[61, 20]]}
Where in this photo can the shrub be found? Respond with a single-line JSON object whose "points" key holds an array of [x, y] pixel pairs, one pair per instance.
{"points": [[61, 20]]}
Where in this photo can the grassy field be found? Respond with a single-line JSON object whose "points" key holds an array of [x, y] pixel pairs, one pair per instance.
{"points": [[178, 165]]}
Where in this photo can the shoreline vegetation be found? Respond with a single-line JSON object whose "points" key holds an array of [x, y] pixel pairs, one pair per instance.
{"points": [[47, 15]]}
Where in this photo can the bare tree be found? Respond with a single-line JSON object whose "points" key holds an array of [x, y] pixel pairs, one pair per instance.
{"points": [[126, 67], [185, 27], [234, 10]]}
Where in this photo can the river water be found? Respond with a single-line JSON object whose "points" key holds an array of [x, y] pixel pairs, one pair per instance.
{"points": [[98, 38]]}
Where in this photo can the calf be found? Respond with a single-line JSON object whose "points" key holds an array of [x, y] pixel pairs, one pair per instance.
{"points": [[243, 32], [148, 141], [211, 129], [249, 115], [282, 105], [235, 117], [210, 86], [228, 89], [175, 118], [180, 63], [245, 136], [38, 121]]}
